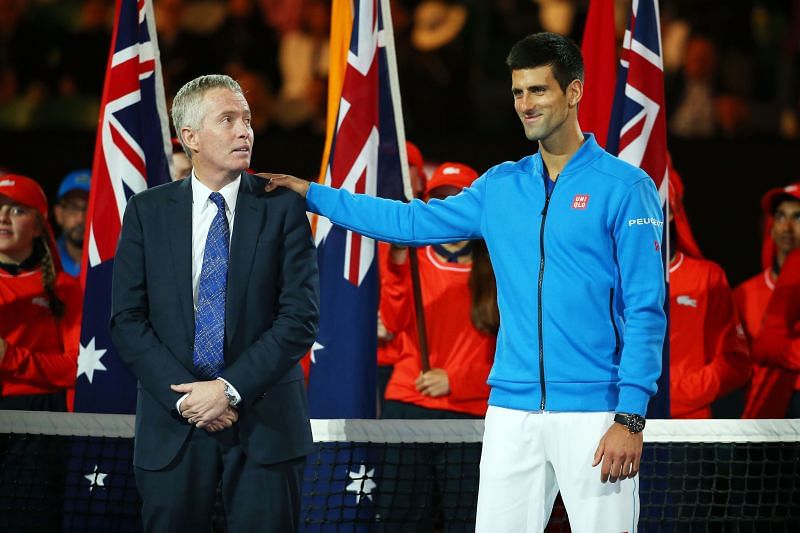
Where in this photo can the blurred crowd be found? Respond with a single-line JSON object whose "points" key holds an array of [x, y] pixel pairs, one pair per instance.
{"points": [[730, 68]]}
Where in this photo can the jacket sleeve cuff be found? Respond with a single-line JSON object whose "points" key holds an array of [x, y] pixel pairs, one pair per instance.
{"points": [[312, 196], [179, 402], [632, 400]]}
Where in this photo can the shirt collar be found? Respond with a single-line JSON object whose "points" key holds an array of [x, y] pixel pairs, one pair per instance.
{"points": [[229, 192]]}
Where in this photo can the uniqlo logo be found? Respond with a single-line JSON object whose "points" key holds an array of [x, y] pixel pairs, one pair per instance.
{"points": [[580, 201]]}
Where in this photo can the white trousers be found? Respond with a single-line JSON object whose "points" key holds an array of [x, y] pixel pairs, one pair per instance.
{"points": [[529, 456]]}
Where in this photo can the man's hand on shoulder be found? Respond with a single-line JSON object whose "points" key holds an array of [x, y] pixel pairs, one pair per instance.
{"points": [[620, 451], [284, 180], [205, 403]]}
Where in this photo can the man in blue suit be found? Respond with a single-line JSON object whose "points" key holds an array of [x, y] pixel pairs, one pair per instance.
{"points": [[215, 300]]}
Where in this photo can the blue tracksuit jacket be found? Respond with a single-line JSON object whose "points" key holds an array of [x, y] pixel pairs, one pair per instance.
{"points": [[580, 281]]}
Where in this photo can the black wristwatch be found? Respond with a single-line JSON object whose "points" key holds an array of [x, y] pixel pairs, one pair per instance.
{"points": [[634, 423]]}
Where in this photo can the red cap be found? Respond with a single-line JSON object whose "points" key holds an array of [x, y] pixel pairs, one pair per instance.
{"points": [[452, 174], [768, 205], [768, 200], [24, 191]]}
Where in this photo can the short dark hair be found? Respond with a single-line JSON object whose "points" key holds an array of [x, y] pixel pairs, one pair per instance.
{"points": [[545, 48]]}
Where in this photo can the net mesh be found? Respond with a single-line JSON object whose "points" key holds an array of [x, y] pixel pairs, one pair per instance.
{"points": [[73, 472]]}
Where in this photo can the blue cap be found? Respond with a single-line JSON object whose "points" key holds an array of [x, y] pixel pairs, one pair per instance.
{"points": [[77, 180]]}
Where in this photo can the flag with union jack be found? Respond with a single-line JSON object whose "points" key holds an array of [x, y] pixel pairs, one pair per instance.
{"points": [[365, 153], [637, 132], [366, 149], [131, 153]]}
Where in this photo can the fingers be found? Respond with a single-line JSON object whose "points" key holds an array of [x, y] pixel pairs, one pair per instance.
{"points": [[224, 421], [284, 180], [183, 387], [598, 453], [614, 470], [605, 470], [274, 180]]}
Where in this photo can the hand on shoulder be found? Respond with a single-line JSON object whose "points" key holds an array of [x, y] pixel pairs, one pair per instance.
{"points": [[274, 181]]}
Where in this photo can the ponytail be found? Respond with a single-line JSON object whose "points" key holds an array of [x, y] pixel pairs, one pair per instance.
{"points": [[49, 278], [483, 287]]}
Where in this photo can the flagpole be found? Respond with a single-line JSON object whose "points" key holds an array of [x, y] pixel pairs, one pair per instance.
{"points": [[394, 87], [422, 333]]}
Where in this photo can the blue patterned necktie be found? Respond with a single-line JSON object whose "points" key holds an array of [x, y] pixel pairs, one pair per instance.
{"points": [[209, 318]]}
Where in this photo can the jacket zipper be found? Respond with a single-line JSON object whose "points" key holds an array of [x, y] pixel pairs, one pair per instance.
{"points": [[613, 324], [541, 279]]}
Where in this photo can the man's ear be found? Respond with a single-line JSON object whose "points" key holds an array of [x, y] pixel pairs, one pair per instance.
{"points": [[58, 213], [574, 92], [189, 137]]}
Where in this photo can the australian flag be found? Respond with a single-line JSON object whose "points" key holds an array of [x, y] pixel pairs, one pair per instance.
{"points": [[131, 154], [637, 133], [366, 155]]}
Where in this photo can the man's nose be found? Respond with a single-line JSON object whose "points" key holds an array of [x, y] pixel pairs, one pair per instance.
{"points": [[525, 103], [242, 130]]}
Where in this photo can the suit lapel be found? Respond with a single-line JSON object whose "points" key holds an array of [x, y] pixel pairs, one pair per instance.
{"points": [[246, 228], [179, 216]]}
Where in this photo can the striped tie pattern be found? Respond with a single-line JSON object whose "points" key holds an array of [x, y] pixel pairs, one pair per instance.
{"points": [[209, 320]]}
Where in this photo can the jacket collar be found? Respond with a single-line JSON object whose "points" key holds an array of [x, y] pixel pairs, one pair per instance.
{"points": [[587, 153]]}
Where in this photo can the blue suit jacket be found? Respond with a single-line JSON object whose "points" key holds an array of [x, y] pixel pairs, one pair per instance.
{"points": [[271, 315]]}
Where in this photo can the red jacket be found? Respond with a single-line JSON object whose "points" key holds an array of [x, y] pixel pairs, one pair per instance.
{"points": [[778, 342], [41, 351], [454, 344], [708, 349], [771, 387], [389, 351]]}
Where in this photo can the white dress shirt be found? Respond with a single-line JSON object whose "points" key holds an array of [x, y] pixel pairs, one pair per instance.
{"points": [[203, 213]]}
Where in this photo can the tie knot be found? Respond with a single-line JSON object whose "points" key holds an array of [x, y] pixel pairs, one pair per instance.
{"points": [[218, 200]]}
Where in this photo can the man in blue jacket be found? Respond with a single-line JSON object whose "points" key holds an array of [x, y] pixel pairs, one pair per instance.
{"points": [[574, 236]]}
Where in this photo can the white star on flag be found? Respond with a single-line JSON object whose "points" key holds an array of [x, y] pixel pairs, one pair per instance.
{"points": [[361, 483], [96, 479], [314, 348], [89, 360]]}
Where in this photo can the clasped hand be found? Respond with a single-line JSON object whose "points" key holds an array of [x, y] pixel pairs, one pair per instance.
{"points": [[206, 406]]}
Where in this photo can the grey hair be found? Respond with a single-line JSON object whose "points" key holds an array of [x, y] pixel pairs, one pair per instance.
{"points": [[187, 110]]}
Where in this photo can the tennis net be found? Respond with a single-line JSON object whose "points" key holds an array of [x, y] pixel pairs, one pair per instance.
{"points": [[73, 472]]}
